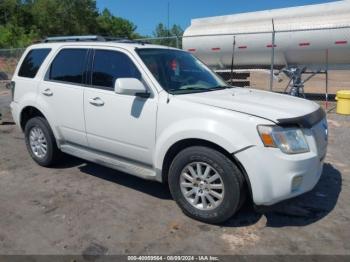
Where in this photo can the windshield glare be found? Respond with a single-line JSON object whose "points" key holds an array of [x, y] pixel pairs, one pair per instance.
{"points": [[179, 72]]}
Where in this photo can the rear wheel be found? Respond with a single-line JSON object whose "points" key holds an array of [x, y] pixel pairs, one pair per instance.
{"points": [[206, 184], [41, 142]]}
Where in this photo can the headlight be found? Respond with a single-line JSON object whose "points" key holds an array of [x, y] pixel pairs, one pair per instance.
{"points": [[289, 140]]}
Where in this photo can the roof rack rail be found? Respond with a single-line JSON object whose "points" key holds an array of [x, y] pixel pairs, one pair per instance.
{"points": [[91, 38], [114, 39], [73, 38], [124, 40]]}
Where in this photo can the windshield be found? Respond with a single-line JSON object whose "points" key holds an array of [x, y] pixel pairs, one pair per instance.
{"points": [[179, 72]]}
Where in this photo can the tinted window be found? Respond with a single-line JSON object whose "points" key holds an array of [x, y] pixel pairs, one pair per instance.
{"points": [[69, 66], [111, 65], [32, 62]]}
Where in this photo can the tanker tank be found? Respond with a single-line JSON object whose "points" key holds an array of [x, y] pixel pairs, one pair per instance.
{"points": [[316, 37]]}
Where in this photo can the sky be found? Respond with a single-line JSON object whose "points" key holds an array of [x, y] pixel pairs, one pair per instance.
{"points": [[146, 14]]}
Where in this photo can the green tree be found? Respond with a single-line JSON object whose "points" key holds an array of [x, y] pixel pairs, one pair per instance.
{"points": [[110, 25], [64, 17], [12, 36], [162, 31], [13, 17], [8, 10], [25, 21]]}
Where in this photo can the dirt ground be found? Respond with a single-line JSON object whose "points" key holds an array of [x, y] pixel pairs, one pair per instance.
{"points": [[83, 208]]}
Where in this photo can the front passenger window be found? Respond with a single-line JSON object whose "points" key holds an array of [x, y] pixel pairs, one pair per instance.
{"points": [[111, 65]]}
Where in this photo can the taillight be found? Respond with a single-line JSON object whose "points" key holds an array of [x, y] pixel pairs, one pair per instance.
{"points": [[12, 86]]}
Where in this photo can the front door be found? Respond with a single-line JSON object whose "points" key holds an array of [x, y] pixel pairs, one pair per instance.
{"points": [[121, 125]]}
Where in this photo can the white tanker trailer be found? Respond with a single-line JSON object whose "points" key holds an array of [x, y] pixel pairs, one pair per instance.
{"points": [[315, 36]]}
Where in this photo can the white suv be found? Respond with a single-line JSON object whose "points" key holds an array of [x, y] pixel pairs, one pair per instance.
{"points": [[161, 114]]}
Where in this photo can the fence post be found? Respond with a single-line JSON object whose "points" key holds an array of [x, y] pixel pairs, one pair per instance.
{"points": [[272, 55], [327, 54], [233, 58]]}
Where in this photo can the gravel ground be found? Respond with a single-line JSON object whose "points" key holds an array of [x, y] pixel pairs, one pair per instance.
{"points": [[82, 208]]}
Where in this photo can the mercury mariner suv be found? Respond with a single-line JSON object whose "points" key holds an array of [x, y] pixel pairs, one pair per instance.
{"points": [[160, 114]]}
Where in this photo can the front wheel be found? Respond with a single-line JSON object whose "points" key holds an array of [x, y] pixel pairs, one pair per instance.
{"points": [[206, 184]]}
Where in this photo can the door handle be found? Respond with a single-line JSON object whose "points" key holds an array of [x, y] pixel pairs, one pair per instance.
{"points": [[96, 101], [47, 92]]}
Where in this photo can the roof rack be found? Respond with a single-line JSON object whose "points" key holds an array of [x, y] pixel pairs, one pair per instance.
{"points": [[73, 38], [85, 38]]}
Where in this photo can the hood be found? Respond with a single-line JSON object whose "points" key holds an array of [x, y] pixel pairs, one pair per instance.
{"points": [[279, 108]]}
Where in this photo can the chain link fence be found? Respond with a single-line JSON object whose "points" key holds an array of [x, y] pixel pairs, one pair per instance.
{"points": [[8, 62], [171, 41]]}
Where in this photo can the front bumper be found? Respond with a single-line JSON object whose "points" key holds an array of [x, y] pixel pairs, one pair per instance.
{"points": [[272, 174], [275, 176]]}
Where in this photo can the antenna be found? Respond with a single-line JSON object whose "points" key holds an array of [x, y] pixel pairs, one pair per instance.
{"points": [[168, 14], [168, 22]]}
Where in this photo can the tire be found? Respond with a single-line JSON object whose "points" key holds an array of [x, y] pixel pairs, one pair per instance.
{"points": [[40, 129], [230, 179]]}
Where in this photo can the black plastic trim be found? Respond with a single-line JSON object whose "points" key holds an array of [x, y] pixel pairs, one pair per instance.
{"points": [[306, 121]]}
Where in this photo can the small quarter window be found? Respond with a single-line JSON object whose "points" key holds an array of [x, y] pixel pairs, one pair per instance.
{"points": [[111, 65], [32, 62], [69, 66]]}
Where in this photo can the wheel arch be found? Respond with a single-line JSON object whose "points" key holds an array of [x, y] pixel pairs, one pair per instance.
{"points": [[30, 111], [27, 113], [189, 142]]}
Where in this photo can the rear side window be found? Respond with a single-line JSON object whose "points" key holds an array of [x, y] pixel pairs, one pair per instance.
{"points": [[32, 62], [111, 65], [69, 66]]}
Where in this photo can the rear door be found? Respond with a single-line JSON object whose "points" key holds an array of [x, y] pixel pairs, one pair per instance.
{"points": [[62, 91], [122, 125]]}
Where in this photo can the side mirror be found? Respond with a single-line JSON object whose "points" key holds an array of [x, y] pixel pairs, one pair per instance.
{"points": [[131, 87]]}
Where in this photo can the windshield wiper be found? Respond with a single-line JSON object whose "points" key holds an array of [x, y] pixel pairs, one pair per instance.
{"points": [[197, 89], [220, 87], [185, 91]]}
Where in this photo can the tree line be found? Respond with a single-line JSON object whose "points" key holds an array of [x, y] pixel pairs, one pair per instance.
{"points": [[23, 22]]}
